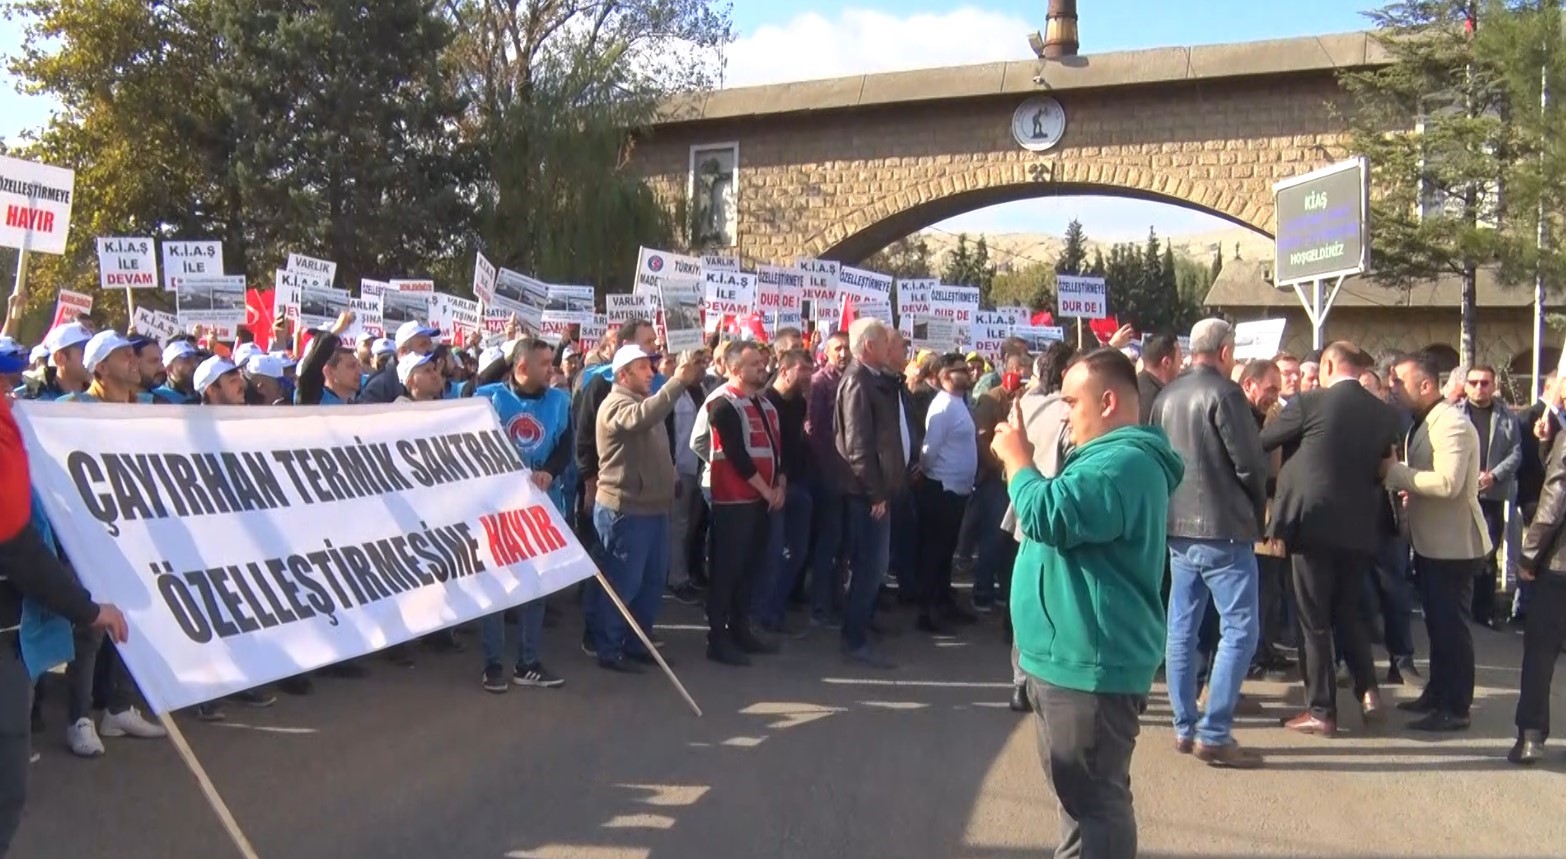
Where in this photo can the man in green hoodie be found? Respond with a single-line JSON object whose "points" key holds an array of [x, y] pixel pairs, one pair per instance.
{"points": [[1085, 600]]}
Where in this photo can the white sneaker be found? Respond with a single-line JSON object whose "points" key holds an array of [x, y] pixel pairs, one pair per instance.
{"points": [[83, 740], [130, 724]]}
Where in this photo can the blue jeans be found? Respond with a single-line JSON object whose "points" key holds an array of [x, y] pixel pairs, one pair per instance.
{"points": [[827, 509], [1226, 571], [980, 538], [530, 631], [636, 563], [788, 540], [870, 548]]}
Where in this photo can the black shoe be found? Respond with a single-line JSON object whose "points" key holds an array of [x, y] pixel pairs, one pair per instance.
{"points": [[445, 641], [588, 647], [959, 615], [297, 685], [1440, 723], [883, 629], [1529, 749], [1421, 704], [1404, 667], [687, 594], [495, 680], [749, 642], [784, 630], [726, 652], [928, 624], [620, 666], [1019, 699], [646, 659]]}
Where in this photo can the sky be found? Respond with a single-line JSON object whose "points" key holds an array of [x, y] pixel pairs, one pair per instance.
{"points": [[806, 39]]}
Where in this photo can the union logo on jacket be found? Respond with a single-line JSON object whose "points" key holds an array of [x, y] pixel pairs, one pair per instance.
{"points": [[759, 426], [535, 425]]}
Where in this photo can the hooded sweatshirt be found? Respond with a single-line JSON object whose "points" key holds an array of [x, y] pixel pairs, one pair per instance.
{"points": [[1085, 600]]}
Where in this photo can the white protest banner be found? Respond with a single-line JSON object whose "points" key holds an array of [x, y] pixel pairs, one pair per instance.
{"points": [[525, 296], [572, 305], [989, 331], [37, 203], [873, 308], [455, 317], [820, 279], [728, 293], [155, 323], [913, 296], [959, 304], [654, 268], [252, 568], [368, 287], [320, 304], [324, 269], [400, 305], [624, 308], [366, 319], [495, 320], [780, 292], [127, 264], [681, 304], [1039, 336], [1259, 340], [930, 332], [594, 332], [720, 262], [215, 303], [865, 285], [190, 259], [68, 306], [484, 278], [1019, 315], [1081, 297]]}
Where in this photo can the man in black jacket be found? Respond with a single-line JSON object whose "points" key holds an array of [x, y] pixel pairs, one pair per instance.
{"points": [[412, 338], [1160, 365], [872, 435], [1215, 517], [1327, 512], [28, 570], [1543, 566]]}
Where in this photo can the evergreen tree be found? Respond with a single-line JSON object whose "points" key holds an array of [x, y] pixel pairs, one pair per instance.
{"points": [[1098, 268], [967, 266], [1031, 286], [1073, 257], [1217, 266]]}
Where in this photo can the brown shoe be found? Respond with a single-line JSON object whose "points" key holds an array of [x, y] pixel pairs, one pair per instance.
{"points": [[1370, 707], [1305, 723], [1184, 746], [1231, 756]]}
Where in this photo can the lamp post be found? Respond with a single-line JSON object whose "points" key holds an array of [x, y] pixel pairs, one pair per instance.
{"points": [[1060, 32]]}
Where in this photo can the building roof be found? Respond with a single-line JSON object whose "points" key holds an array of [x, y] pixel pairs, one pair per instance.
{"points": [[1310, 54], [1248, 283]]}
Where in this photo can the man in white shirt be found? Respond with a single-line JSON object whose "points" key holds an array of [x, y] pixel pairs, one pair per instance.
{"points": [[949, 460]]}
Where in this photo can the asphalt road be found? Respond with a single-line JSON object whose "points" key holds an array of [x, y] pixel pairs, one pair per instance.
{"points": [[798, 756]]}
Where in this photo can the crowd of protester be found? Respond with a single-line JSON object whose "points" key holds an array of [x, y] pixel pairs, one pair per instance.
{"points": [[1130, 509]]}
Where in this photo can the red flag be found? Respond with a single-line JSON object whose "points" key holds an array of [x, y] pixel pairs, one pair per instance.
{"points": [[1104, 329], [258, 316], [847, 317], [1043, 318]]}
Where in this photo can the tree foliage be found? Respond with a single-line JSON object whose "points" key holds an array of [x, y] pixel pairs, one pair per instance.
{"points": [[970, 266], [1031, 286]]}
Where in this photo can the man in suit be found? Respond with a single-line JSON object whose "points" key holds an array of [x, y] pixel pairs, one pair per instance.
{"points": [[1440, 478], [1326, 511], [1500, 456], [1543, 565], [1160, 365]]}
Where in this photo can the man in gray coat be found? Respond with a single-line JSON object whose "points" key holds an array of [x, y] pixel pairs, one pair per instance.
{"points": [[1500, 455]]}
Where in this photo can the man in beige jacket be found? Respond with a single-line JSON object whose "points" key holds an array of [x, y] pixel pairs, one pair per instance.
{"points": [[1440, 482], [636, 483]]}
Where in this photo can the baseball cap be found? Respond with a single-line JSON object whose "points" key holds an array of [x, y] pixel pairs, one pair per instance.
{"points": [[39, 353], [625, 355], [265, 365], [177, 350], [210, 371], [282, 355], [383, 346], [490, 356], [568, 352], [412, 329], [244, 352], [13, 358], [410, 362], [101, 346], [65, 336], [141, 341]]}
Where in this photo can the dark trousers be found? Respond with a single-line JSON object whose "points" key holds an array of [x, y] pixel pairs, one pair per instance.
{"points": [[1543, 634], [1487, 575], [1271, 573], [741, 533], [1329, 584], [1446, 591], [15, 738], [1392, 593], [1085, 744], [902, 562], [940, 521]]}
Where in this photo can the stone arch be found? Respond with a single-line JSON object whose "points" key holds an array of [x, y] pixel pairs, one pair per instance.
{"points": [[1446, 358], [1521, 364], [897, 214]]}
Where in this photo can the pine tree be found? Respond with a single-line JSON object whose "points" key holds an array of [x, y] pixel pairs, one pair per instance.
{"points": [[1098, 268], [1217, 266], [1073, 257]]}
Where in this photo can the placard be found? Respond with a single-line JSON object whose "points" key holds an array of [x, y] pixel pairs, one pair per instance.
{"points": [[623, 308], [932, 332], [68, 305], [681, 304], [820, 280], [127, 264], [1081, 297], [190, 259], [654, 268], [484, 275], [728, 293], [720, 262], [155, 323], [320, 305], [1258, 340], [455, 317], [572, 305], [215, 303], [1038, 336], [324, 269], [399, 306], [36, 199], [525, 296], [367, 321], [780, 292]]}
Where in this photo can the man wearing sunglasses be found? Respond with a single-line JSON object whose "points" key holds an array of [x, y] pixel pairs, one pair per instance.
{"points": [[1500, 455]]}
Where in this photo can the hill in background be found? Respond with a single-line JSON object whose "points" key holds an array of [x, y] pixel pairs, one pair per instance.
{"points": [[1010, 250]]}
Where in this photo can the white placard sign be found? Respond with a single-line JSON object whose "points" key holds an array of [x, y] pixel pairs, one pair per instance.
{"points": [[780, 292], [989, 332], [592, 333], [455, 317], [366, 319], [215, 303], [525, 296], [720, 262], [190, 259], [155, 323], [728, 293], [931, 332], [127, 264], [820, 279], [865, 285], [68, 305], [1039, 336], [1259, 340], [571, 305], [405, 301], [36, 202], [258, 572], [623, 308], [484, 274], [681, 303], [655, 268], [320, 305], [325, 269], [1081, 297]]}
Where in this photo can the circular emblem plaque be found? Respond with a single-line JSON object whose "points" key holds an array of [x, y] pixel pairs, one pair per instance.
{"points": [[1038, 124]]}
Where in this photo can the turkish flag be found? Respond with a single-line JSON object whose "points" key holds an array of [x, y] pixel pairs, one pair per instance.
{"points": [[258, 316], [1104, 329], [848, 315], [751, 326], [1043, 318]]}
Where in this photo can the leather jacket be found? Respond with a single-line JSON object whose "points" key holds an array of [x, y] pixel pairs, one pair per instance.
{"points": [[866, 426], [1543, 550], [1209, 421]]}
